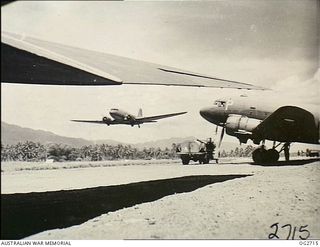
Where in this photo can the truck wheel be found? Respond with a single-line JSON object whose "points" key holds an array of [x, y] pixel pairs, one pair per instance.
{"points": [[185, 161], [206, 160]]}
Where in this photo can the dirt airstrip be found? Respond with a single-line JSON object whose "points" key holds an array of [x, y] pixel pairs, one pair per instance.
{"points": [[162, 200]]}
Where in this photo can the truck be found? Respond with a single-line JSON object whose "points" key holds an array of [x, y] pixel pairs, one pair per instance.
{"points": [[312, 153], [196, 150]]}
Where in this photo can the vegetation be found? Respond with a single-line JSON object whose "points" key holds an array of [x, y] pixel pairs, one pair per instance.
{"points": [[238, 152], [27, 151], [31, 151]]}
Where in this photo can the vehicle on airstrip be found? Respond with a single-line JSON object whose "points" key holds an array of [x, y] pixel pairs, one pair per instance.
{"points": [[312, 153], [196, 150]]}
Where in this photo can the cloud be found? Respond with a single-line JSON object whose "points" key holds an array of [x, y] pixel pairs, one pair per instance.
{"points": [[306, 91]]}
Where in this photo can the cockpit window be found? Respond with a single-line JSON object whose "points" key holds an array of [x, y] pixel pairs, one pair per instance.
{"points": [[220, 103], [114, 109]]}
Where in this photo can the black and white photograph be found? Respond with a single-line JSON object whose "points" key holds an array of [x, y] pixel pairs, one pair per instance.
{"points": [[160, 120]]}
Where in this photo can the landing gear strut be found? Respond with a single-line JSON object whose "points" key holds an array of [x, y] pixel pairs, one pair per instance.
{"points": [[286, 149], [262, 155]]}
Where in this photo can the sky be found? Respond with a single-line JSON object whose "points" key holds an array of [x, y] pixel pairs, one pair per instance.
{"points": [[268, 43]]}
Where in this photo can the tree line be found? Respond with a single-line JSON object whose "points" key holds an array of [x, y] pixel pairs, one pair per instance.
{"points": [[238, 152], [32, 151]]}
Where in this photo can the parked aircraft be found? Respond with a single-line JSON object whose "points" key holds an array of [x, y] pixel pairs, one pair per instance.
{"points": [[122, 117], [247, 118], [33, 61]]}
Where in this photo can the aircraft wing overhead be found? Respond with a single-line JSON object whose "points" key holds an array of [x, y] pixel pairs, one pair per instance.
{"points": [[34, 61], [289, 124], [153, 118]]}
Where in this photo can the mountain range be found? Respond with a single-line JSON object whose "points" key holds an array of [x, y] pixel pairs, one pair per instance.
{"points": [[12, 134]]}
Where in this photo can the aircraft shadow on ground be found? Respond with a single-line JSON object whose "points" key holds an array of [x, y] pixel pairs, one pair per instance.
{"points": [[24, 214], [288, 163]]}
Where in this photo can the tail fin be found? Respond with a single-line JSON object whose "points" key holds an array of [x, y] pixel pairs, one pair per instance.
{"points": [[140, 113]]}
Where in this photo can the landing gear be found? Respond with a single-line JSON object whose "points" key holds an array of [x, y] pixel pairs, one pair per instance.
{"points": [[262, 155], [132, 125], [286, 149], [272, 155]]}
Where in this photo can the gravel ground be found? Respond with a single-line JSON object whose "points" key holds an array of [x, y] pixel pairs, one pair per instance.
{"points": [[242, 208]]}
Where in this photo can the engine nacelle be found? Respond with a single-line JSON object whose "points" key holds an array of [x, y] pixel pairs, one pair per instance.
{"points": [[127, 117], [106, 119], [238, 123]]}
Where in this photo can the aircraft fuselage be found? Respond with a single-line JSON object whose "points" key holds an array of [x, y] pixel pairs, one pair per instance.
{"points": [[240, 116]]}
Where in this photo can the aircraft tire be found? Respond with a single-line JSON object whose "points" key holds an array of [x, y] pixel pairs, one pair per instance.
{"points": [[259, 155], [185, 160], [272, 155]]}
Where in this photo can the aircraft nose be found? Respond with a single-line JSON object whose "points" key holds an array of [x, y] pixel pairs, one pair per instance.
{"points": [[205, 113], [213, 114]]}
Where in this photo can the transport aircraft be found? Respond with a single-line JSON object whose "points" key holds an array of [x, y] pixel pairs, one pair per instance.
{"points": [[30, 60], [250, 118], [121, 117]]}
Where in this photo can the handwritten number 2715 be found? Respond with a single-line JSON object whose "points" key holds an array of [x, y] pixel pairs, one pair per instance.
{"points": [[304, 233]]}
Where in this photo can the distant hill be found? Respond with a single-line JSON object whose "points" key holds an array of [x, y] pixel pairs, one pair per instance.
{"points": [[12, 134], [164, 143]]}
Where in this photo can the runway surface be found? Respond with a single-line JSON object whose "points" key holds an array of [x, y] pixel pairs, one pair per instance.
{"points": [[166, 200]]}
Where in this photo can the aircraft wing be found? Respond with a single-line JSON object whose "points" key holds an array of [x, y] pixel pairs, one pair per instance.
{"points": [[153, 118], [288, 124], [34, 61], [89, 121]]}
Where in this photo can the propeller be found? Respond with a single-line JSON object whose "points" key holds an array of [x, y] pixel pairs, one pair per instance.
{"points": [[221, 135]]}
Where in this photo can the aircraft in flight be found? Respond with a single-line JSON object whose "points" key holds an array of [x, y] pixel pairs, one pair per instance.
{"points": [[121, 117], [246, 118], [28, 60]]}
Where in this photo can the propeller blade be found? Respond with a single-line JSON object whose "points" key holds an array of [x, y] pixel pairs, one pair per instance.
{"points": [[217, 129], [221, 136]]}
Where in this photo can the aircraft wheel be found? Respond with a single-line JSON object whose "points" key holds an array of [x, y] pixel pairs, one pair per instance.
{"points": [[272, 155], [259, 155]]}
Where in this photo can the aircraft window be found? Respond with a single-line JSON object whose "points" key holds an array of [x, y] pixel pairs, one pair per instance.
{"points": [[252, 107], [114, 109], [220, 103]]}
